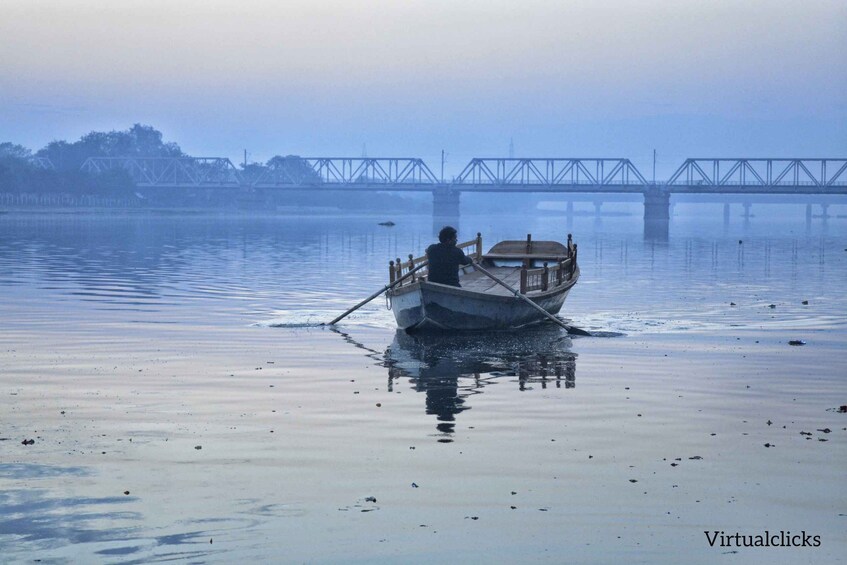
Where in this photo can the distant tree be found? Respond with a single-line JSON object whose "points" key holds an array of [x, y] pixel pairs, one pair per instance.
{"points": [[9, 150], [138, 141], [293, 169]]}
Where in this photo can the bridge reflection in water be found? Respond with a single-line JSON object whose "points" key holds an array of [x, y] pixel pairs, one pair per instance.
{"points": [[450, 369]]}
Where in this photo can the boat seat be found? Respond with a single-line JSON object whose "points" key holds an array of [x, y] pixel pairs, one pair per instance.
{"points": [[522, 256]]}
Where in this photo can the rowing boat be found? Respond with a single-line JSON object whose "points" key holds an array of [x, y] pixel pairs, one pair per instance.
{"points": [[542, 271]]}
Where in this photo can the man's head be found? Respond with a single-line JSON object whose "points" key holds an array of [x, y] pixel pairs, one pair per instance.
{"points": [[447, 235]]}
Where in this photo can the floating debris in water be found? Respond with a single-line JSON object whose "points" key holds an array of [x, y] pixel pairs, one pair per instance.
{"points": [[198, 447], [805, 303], [387, 224], [796, 342], [370, 499], [28, 442]]}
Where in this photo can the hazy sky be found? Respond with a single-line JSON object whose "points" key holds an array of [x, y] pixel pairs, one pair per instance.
{"points": [[569, 78]]}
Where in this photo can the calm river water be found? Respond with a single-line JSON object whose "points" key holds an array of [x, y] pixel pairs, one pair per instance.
{"points": [[182, 408]]}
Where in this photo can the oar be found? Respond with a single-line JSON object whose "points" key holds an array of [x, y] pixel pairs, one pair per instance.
{"points": [[374, 295], [571, 329]]}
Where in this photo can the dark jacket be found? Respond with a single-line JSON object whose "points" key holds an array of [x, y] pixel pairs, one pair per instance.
{"points": [[444, 261]]}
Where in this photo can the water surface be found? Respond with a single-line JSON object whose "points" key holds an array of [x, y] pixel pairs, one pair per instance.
{"points": [[170, 358]]}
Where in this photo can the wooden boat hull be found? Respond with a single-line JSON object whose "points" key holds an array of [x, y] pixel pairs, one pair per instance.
{"points": [[425, 306]]}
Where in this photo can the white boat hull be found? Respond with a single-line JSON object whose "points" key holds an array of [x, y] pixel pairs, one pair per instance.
{"points": [[430, 306]]}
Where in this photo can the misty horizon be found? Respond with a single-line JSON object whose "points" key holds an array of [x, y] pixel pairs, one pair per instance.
{"points": [[756, 79]]}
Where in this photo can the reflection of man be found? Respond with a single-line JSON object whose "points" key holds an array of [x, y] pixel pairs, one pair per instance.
{"points": [[444, 258]]}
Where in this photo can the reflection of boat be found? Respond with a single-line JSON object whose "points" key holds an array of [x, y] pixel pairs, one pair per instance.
{"points": [[449, 369], [543, 271]]}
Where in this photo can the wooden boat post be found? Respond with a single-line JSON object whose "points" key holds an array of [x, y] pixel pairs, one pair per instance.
{"points": [[545, 278], [573, 260], [524, 277], [412, 265], [391, 274], [478, 246]]}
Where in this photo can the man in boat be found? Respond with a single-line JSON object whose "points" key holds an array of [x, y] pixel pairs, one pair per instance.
{"points": [[444, 258]]}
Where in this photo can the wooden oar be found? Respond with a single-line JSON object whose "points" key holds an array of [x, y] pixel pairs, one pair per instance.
{"points": [[571, 329], [374, 295]]}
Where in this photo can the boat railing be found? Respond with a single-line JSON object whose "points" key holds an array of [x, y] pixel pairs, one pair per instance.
{"points": [[550, 275], [398, 268]]}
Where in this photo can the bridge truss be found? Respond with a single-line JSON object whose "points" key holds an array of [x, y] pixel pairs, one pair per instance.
{"points": [[284, 172], [596, 174], [376, 171], [180, 171], [718, 176], [760, 175]]}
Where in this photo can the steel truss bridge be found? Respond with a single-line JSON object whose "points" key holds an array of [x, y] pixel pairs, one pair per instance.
{"points": [[595, 175]]}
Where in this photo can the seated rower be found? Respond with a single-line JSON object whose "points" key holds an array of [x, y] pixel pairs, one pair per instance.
{"points": [[444, 258]]}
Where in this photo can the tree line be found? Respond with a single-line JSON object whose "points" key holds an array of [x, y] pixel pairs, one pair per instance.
{"points": [[56, 169]]}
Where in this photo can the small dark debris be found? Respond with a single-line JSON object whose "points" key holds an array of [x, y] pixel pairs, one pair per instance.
{"points": [[387, 224], [674, 464], [824, 430], [633, 480], [370, 499], [805, 302], [379, 404], [695, 458], [733, 304], [198, 447], [28, 442], [769, 445], [513, 507], [126, 492], [843, 408], [796, 342], [822, 439], [771, 306], [769, 422], [415, 485], [805, 433]]}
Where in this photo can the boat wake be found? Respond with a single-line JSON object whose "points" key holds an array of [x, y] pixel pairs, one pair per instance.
{"points": [[312, 319]]}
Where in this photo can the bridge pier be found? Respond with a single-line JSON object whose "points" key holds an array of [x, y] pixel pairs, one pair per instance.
{"points": [[657, 205], [445, 207]]}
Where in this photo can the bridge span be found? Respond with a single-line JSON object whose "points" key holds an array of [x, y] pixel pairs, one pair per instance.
{"points": [[598, 176], [710, 175]]}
